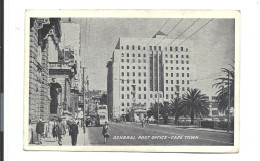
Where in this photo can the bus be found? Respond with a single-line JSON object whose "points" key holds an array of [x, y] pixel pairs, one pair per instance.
{"points": [[102, 115]]}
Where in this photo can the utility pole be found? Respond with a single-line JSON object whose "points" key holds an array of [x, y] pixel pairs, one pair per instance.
{"points": [[158, 87], [84, 100], [228, 119]]}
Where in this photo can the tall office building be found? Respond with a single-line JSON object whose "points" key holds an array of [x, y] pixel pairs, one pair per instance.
{"points": [[141, 69]]}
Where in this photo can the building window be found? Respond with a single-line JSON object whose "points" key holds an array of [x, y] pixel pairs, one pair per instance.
{"points": [[144, 67], [139, 74], [171, 96], [144, 55], [122, 60], [171, 88], [133, 67], [183, 89], [171, 61], [122, 96], [166, 88], [151, 95], [170, 48], [122, 81], [182, 62], [127, 47], [127, 60], [182, 74], [144, 96], [177, 81], [171, 81], [151, 48], [139, 96], [133, 60], [171, 68], [171, 56], [122, 54], [166, 61], [176, 48], [122, 74], [144, 88], [177, 88], [139, 55], [128, 104], [166, 68], [182, 81], [122, 47], [133, 47], [123, 104], [165, 48], [127, 67], [177, 68], [188, 88], [166, 74], [167, 81], [181, 48], [154, 47], [139, 89], [139, 81], [122, 89], [177, 62], [177, 74], [155, 95], [145, 81], [139, 67], [188, 68], [182, 56], [134, 81], [139, 47], [128, 97], [182, 68], [145, 74], [133, 73], [187, 56], [187, 62], [127, 73], [127, 55], [188, 82], [122, 67], [139, 61], [166, 56], [171, 74], [160, 48], [188, 74], [133, 55], [127, 88], [167, 96], [144, 61]]}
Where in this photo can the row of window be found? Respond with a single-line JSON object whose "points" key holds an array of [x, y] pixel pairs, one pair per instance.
{"points": [[177, 68], [127, 67], [134, 74], [177, 62], [177, 74], [133, 47], [133, 60], [144, 55], [177, 82]]}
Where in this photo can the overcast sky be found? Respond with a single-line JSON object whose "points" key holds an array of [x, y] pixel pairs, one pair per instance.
{"points": [[214, 44]]}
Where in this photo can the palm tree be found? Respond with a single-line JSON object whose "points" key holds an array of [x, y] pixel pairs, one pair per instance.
{"points": [[222, 85], [175, 109], [194, 103]]}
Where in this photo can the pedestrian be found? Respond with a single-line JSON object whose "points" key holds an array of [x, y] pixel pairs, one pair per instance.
{"points": [[51, 124], [54, 130], [40, 131], [74, 131], [61, 130], [105, 132]]}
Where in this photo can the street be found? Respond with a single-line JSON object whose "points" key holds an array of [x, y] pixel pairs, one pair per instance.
{"points": [[134, 134]]}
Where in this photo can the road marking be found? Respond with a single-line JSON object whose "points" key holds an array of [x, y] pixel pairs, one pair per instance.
{"points": [[176, 134]]}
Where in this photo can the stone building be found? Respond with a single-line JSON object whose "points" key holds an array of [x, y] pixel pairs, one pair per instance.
{"points": [[43, 33]]}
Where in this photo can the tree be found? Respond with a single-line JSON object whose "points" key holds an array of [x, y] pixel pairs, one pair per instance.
{"points": [[194, 103], [103, 99], [164, 110], [222, 85], [175, 109]]}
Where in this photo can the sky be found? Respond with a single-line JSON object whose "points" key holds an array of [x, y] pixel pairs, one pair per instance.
{"points": [[214, 44]]}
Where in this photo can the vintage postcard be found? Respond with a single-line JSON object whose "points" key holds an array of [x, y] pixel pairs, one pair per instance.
{"points": [[132, 80]]}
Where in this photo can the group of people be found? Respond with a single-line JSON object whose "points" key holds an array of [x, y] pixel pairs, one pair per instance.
{"points": [[57, 130]]}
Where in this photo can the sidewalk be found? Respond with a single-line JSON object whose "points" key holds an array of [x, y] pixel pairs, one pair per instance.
{"points": [[83, 140]]}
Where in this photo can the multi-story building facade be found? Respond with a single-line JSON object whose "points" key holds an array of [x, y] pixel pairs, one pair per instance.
{"points": [[144, 71], [44, 33]]}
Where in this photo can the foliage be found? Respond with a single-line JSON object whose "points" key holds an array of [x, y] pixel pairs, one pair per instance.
{"points": [[194, 104], [222, 85]]}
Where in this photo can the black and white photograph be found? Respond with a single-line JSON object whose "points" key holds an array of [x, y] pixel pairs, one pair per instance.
{"points": [[132, 81]]}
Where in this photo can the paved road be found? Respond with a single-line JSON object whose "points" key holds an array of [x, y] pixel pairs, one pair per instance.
{"points": [[134, 134]]}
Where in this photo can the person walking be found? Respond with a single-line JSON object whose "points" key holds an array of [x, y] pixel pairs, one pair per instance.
{"points": [[74, 131], [61, 130], [105, 132], [54, 130], [40, 131]]}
